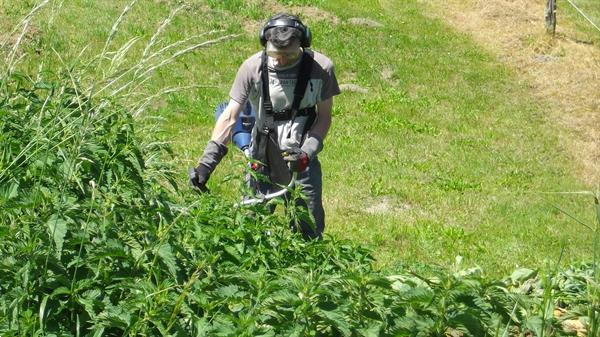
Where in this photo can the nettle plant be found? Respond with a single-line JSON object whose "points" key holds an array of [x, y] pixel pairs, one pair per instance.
{"points": [[96, 239]]}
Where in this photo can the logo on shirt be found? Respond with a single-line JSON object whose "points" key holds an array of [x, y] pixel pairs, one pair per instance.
{"points": [[284, 82]]}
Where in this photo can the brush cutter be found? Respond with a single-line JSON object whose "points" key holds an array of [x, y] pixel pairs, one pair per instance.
{"points": [[241, 135], [267, 197]]}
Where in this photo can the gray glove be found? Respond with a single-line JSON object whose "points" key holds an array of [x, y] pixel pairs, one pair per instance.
{"points": [[312, 145], [213, 153], [296, 159]]}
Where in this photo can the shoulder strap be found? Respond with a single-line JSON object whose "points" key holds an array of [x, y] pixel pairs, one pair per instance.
{"points": [[303, 76], [304, 71], [268, 106]]}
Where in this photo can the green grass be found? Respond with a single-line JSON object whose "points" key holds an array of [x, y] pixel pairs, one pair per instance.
{"points": [[570, 17], [448, 154]]}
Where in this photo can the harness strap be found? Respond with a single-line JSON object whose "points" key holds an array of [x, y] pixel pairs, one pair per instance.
{"points": [[303, 77], [287, 114], [262, 140], [268, 106], [266, 139]]}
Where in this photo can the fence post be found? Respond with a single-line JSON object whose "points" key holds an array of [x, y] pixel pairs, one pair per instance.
{"points": [[550, 15]]}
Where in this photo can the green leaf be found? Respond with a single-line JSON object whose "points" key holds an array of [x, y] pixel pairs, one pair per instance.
{"points": [[57, 228], [236, 307], [232, 251], [373, 330], [60, 291], [522, 274], [9, 192], [467, 323], [223, 326], [293, 331], [535, 324], [338, 321], [98, 332], [115, 316], [227, 291], [166, 254], [88, 299], [269, 333], [202, 326], [43, 309], [381, 282]]}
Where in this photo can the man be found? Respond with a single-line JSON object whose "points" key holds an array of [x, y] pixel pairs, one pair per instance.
{"points": [[291, 88]]}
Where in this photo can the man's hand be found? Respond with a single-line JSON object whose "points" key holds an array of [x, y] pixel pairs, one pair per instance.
{"points": [[213, 153], [297, 159], [199, 177]]}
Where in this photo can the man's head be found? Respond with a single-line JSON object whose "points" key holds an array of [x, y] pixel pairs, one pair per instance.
{"points": [[283, 30]]}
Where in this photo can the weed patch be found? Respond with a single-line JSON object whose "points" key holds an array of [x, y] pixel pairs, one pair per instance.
{"points": [[94, 241]]}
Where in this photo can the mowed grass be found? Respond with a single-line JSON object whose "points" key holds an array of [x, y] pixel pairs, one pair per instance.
{"points": [[446, 155]]}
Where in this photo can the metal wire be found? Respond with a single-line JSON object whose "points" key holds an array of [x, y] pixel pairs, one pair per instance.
{"points": [[582, 13]]}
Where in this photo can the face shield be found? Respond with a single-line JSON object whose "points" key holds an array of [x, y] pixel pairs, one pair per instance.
{"points": [[284, 56]]}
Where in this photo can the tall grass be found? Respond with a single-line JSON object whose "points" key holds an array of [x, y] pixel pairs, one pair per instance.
{"points": [[12, 57], [119, 73]]}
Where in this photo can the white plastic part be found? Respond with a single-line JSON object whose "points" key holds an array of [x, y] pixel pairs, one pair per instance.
{"points": [[267, 197]]}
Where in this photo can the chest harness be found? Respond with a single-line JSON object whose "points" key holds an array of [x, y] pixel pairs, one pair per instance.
{"points": [[266, 137]]}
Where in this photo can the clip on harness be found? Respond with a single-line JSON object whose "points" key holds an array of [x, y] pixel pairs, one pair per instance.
{"points": [[269, 133]]}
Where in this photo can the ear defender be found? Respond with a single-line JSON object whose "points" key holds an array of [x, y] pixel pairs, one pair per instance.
{"points": [[305, 40]]}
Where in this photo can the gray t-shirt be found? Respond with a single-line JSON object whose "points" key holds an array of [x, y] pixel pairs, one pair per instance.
{"points": [[322, 85]]}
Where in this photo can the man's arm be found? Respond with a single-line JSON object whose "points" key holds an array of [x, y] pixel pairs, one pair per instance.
{"points": [[323, 121], [222, 130], [216, 148], [313, 144]]}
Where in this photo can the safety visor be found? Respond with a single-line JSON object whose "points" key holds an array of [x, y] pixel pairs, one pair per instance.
{"points": [[289, 54]]}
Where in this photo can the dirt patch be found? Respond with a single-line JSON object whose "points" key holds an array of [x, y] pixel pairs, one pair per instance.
{"points": [[365, 22], [353, 88], [308, 14], [252, 27], [386, 205], [8, 41], [315, 14], [564, 72]]}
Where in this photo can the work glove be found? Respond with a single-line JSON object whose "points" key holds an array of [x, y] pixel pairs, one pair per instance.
{"points": [[213, 153], [296, 159], [199, 177], [312, 145]]}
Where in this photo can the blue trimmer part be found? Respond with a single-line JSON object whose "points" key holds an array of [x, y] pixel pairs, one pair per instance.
{"points": [[242, 130], [241, 140]]}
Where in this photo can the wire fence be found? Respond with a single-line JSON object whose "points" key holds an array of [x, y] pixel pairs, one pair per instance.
{"points": [[584, 15], [550, 15]]}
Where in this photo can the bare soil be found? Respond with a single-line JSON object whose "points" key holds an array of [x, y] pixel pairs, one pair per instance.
{"points": [[563, 71], [308, 14]]}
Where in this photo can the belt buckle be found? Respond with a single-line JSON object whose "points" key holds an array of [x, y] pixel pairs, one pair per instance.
{"points": [[282, 115]]}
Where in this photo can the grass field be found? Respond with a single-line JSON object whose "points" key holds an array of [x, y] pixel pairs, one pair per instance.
{"points": [[447, 154]]}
